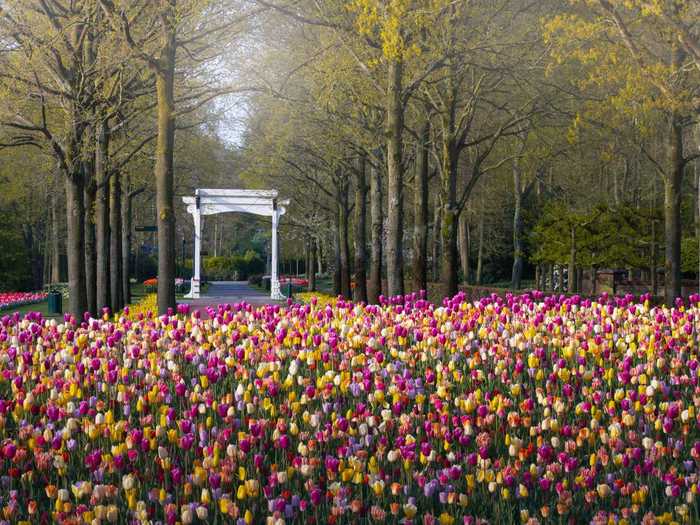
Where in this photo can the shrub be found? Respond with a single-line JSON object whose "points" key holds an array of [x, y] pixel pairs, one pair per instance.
{"points": [[147, 266], [233, 268], [61, 288]]}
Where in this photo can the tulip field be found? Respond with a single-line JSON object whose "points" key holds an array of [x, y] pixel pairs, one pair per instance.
{"points": [[523, 409]]}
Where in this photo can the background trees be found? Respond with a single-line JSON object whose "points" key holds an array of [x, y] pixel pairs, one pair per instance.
{"points": [[423, 146]]}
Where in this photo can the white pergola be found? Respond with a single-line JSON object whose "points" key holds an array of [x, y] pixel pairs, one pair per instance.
{"points": [[257, 202]]}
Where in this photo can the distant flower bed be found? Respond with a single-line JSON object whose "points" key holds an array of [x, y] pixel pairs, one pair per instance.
{"points": [[152, 284], [295, 281], [15, 299]]}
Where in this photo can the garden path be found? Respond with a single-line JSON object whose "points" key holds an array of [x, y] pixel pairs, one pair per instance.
{"points": [[229, 292]]}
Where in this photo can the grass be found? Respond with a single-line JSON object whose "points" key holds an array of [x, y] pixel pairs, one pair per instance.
{"points": [[42, 308], [526, 284]]}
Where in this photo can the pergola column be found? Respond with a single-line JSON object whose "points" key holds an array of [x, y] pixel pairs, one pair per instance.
{"points": [[196, 263], [275, 292]]}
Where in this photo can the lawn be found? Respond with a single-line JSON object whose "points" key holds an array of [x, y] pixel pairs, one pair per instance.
{"points": [[42, 308]]}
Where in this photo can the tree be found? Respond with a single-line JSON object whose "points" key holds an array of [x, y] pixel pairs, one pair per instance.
{"points": [[630, 77], [47, 58], [193, 28]]}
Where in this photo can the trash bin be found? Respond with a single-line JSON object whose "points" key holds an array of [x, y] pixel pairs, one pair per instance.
{"points": [[288, 289], [55, 303]]}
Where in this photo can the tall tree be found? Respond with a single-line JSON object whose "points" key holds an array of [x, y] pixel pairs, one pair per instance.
{"points": [[48, 60], [196, 29], [655, 92], [360, 227], [420, 211]]}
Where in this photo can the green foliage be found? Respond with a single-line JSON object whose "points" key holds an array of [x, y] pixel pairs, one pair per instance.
{"points": [[689, 255], [146, 268], [62, 288], [15, 274], [606, 236], [233, 268], [255, 279]]}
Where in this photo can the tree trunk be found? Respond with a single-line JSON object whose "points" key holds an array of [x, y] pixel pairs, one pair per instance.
{"points": [[45, 263], [518, 247], [359, 232], [450, 255], [464, 246], [572, 262], [319, 254], [480, 255], [90, 252], [450, 212], [75, 244], [652, 261], [696, 167], [165, 207], [126, 212], [538, 277], [102, 216], [312, 263], [337, 273], [374, 286], [420, 225], [394, 131], [55, 240], [437, 220], [216, 236], [550, 272], [115, 242], [344, 247], [696, 198], [672, 211], [579, 279], [673, 178], [594, 281]]}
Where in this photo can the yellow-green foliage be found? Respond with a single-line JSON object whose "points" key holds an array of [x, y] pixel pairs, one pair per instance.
{"points": [[396, 24], [624, 69]]}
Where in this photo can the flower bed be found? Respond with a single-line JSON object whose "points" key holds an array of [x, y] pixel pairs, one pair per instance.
{"points": [[151, 285], [316, 298], [519, 409], [10, 300], [295, 281]]}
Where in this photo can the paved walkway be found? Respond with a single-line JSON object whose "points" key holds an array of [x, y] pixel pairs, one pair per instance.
{"points": [[227, 292]]}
